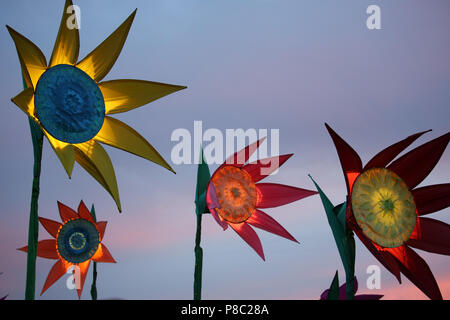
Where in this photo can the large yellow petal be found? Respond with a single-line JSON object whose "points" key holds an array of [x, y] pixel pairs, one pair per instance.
{"points": [[119, 135], [94, 159], [64, 151], [124, 95], [67, 43], [32, 60], [25, 101], [98, 63]]}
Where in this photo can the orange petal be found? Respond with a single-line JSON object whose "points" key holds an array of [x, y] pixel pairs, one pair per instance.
{"points": [[46, 249], [101, 227], [103, 255], [83, 269], [84, 212], [66, 213], [51, 226], [57, 271]]}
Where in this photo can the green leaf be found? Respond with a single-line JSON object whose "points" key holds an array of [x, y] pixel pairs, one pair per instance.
{"points": [[203, 177], [333, 293]]}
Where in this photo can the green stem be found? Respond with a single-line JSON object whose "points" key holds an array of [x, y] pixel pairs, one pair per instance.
{"points": [[33, 227], [94, 283], [198, 260]]}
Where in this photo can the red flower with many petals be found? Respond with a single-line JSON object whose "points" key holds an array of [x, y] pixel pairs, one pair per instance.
{"points": [[76, 242], [386, 209], [234, 197]]}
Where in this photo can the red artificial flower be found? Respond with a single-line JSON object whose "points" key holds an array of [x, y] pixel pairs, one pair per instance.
{"points": [[76, 242], [234, 197], [386, 209]]}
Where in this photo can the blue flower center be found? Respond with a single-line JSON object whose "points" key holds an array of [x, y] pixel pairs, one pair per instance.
{"points": [[69, 104], [77, 241]]}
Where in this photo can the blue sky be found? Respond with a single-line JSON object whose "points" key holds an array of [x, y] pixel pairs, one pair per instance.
{"points": [[288, 65]]}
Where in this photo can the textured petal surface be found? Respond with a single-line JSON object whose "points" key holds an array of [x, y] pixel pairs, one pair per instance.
{"points": [[94, 159], [56, 272], [431, 235], [263, 221], [84, 212], [66, 213], [383, 158], [25, 101], [64, 151], [417, 271], [67, 43], [103, 255], [99, 62], [249, 235], [432, 198], [415, 166], [350, 160], [241, 157], [46, 249], [32, 60], [272, 195], [119, 135], [262, 168], [51, 226], [126, 94]]}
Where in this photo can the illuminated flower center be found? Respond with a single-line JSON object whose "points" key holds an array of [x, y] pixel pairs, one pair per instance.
{"points": [[77, 240], [383, 207], [69, 104], [236, 193]]}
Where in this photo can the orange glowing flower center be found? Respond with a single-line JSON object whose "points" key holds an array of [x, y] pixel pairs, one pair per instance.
{"points": [[236, 193], [383, 207]]}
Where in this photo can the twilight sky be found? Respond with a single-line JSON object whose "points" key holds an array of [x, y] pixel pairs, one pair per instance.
{"points": [[289, 65]]}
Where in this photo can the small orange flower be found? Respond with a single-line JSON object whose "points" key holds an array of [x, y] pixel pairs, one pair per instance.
{"points": [[234, 197], [77, 241]]}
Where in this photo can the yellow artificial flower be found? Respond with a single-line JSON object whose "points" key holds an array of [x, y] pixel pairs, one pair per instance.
{"points": [[72, 106]]}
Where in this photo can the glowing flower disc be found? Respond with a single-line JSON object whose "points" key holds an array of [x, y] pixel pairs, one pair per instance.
{"points": [[77, 240], [383, 207], [69, 104], [236, 193]]}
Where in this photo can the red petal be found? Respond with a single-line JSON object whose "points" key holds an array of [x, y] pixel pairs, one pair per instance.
{"points": [[83, 269], [103, 255], [51, 226], [249, 235], [384, 257], [262, 168], [212, 202], [66, 213], [415, 166], [84, 212], [263, 221], [241, 157], [432, 236], [101, 227], [45, 249], [272, 195], [57, 271], [383, 158], [350, 160], [417, 271], [433, 198]]}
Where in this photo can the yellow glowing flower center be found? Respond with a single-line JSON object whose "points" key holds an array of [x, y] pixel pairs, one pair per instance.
{"points": [[236, 193], [383, 207]]}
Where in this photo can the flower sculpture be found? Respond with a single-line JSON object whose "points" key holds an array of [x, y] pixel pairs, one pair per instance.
{"points": [[77, 241], [73, 106], [339, 293], [386, 209], [234, 197]]}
